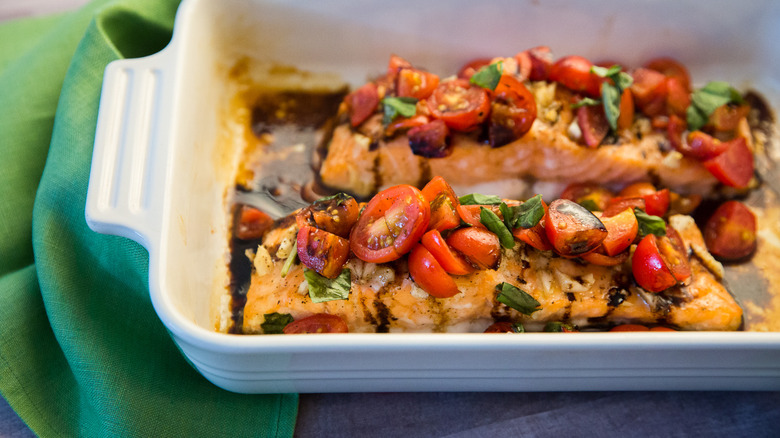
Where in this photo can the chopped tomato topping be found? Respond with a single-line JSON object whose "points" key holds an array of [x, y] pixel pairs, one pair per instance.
{"points": [[572, 229], [481, 247], [451, 261], [513, 111], [444, 204], [429, 275], [362, 103], [430, 140], [656, 201], [324, 252], [730, 233], [459, 104], [416, 83], [573, 72], [734, 167], [252, 223], [593, 124], [336, 214], [317, 323]]}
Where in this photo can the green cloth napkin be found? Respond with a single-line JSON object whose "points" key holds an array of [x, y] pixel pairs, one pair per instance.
{"points": [[82, 352]]}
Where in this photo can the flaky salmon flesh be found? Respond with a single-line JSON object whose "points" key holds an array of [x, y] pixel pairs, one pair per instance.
{"points": [[362, 162], [384, 298]]}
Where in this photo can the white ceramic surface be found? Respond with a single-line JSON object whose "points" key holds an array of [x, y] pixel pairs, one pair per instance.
{"points": [[154, 180]]}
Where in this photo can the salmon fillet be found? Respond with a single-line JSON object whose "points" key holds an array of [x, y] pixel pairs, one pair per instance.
{"points": [[361, 162], [383, 297]]}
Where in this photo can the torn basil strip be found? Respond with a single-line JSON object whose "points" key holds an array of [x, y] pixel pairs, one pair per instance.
{"points": [[323, 289], [488, 76], [394, 107], [530, 212], [587, 101], [479, 199], [649, 224], [497, 227], [517, 299], [274, 323], [707, 99]]}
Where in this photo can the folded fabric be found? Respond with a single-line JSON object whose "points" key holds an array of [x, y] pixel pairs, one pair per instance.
{"points": [[82, 351]]}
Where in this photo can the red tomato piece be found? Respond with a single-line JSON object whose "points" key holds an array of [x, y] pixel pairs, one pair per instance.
{"points": [[459, 104], [452, 262], [395, 65], [478, 245], [429, 275], [336, 214], [734, 167], [501, 327], [675, 254], [317, 323], [535, 236], [524, 65], [252, 223], [444, 204], [671, 68], [468, 70], [620, 203], [362, 103], [581, 192], [324, 252], [430, 140], [674, 130], [649, 91], [416, 83], [626, 117], [629, 328], [622, 229], [649, 268], [513, 111], [656, 201], [593, 124], [678, 97], [701, 146], [391, 224], [470, 214], [541, 63], [405, 124], [730, 233], [572, 229], [573, 72]]}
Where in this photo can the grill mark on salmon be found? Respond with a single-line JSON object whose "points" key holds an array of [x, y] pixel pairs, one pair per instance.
{"points": [[383, 297]]}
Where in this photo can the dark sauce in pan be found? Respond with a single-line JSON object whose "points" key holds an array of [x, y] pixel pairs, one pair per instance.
{"points": [[297, 125]]}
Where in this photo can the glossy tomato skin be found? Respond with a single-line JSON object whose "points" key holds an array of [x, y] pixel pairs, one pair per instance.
{"points": [[582, 192], [481, 247], [419, 84], [622, 229], [626, 116], [324, 252], [572, 229], [593, 124], [430, 140], [362, 103], [730, 233], [391, 224], [656, 201], [541, 63], [702, 146], [336, 214], [444, 204], [451, 261], [535, 236], [317, 323], [513, 111], [649, 267], [734, 166], [597, 258], [251, 223], [459, 104], [649, 91], [573, 72], [620, 203], [473, 66], [429, 275], [671, 68]]}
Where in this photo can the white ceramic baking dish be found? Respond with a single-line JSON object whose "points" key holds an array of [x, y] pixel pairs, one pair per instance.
{"points": [[158, 177]]}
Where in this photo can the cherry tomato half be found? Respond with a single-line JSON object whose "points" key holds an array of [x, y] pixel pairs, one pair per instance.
{"points": [[730, 233], [322, 251], [573, 72], [335, 214], [317, 323], [620, 203], [252, 223], [513, 111], [660, 262], [725, 118], [429, 275], [734, 167], [702, 146], [444, 204], [593, 124], [395, 65], [649, 91], [541, 63], [621, 231], [391, 223], [416, 83], [459, 104], [656, 201], [451, 261], [572, 229], [481, 247], [535, 236], [430, 140], [362, 103], [671, 68], [678, 97], [468, 70]]}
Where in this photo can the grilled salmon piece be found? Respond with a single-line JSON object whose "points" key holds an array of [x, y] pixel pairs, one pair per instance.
{"points": [[383, 297]]}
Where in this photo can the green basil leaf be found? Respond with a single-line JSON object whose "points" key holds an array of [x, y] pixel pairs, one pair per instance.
{"points": [[323, 289], [339, 197], [589, 204], [509, 214], [530, 212], [290, 259], [620, 79], [517, 299], [610, 96], [558, 327], [587, 101], [623, 81], [649, 224], [497, 227], [274, 323], [605, 72], [707, 99], [518, 327], [479, 199], [398, 106], [488, 76]]}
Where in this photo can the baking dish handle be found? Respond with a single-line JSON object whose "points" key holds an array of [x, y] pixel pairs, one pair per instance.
{"points": [[130, 155]]}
